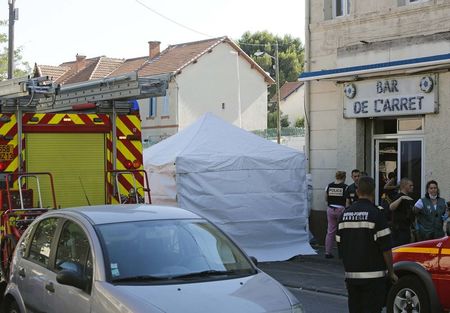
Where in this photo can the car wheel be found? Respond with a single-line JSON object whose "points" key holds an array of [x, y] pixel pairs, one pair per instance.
{"points": [[12, 307], [7, 248], [408, 295]]}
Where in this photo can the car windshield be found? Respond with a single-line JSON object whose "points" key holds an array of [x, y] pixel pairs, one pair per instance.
{"points": [[167, 250]]}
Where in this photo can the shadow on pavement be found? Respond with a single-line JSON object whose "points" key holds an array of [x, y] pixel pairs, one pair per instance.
{"points": [[310, 272]]}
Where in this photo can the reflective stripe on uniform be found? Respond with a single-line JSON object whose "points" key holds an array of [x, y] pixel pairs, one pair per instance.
{"points": [[381, 233], [363, 275], [359, 224], [338, 238]]}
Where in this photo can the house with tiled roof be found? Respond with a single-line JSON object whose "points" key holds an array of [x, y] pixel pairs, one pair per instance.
{"points": [[80, 70], [291, 101], [212, 75]]}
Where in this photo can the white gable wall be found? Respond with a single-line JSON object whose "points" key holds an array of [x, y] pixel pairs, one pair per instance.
{"points": [[203, 87], [214, 80], [293, 105]]}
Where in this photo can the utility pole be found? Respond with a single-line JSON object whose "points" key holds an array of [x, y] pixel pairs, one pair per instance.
{"points": [[277, 78], [13, 16]]}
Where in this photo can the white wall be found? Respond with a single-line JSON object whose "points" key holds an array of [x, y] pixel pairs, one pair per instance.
{"points": [[213, 81], [293, 105], [204, 87]]}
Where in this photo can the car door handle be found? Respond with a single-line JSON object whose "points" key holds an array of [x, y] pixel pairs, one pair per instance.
{"points": [[50, 287], [22, 272]]}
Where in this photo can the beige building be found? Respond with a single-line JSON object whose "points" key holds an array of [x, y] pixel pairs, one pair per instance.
{"points": [[377, 93], [292, 99], [212, 75]]}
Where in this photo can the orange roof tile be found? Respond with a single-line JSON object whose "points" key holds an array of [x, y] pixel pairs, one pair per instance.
{"points": [[129, 65], [286, 90], [54, 72], [172, 60]]}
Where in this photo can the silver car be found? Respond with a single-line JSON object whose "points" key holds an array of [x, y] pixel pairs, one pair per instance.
{"points": [[136, 258]]}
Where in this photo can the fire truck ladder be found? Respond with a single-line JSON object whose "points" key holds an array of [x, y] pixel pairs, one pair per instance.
{"points": [[24, 93], [105, 95]]}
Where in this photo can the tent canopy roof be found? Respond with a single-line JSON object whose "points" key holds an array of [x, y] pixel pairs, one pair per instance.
{"points": [[212, 136]]}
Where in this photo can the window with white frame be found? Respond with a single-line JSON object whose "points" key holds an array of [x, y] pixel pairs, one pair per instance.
{"points": [[165, 107], [341, 8], [152, 108]]}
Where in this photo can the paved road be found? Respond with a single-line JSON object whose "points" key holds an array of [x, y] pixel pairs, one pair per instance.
{"points": [[311, 272], [316, 281]]}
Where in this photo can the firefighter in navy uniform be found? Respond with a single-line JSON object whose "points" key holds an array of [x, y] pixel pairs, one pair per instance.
{"points": [[364, 244]]}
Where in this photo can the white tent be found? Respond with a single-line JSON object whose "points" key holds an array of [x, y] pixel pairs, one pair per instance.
{"points": [[253, 189]]}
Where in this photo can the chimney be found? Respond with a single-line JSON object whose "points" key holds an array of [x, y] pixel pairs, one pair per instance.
{"points": [[153, 48], [80, 62]]}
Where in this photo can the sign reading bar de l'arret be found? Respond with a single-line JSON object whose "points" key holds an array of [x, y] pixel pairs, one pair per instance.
{"points": [[409, 95]]}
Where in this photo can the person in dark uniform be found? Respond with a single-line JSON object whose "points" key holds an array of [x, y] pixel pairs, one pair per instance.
{"points": [[336, 203], [350, 193], [364, 243], [402, 214]]}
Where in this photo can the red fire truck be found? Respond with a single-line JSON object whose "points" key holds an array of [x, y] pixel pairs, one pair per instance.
{"points": [[66, 146]]}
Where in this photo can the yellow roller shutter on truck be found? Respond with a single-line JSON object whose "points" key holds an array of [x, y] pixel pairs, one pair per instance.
{"points": [[76, 161]]}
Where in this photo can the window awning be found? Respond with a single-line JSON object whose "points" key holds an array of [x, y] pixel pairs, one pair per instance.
{"points": [[428, 61]]}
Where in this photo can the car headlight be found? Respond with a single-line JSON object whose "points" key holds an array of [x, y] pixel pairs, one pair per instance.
{"points": [[297, 308]]}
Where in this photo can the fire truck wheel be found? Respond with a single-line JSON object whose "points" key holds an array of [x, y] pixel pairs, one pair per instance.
{"points": [[12, 307], [8, 244], [408, 295]]}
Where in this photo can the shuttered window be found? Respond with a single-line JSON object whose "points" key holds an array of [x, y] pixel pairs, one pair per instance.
{"points": [[77, 163]]}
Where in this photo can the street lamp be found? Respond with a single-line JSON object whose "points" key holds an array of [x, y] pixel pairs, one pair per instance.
{"points": [[238, 87], [277, 79]]}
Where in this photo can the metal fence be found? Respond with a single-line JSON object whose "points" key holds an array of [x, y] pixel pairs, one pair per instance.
{"points": [[271, 133]]}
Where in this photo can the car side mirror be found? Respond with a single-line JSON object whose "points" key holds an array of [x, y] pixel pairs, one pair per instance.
{"points": [[254, 260], [71, 278]]}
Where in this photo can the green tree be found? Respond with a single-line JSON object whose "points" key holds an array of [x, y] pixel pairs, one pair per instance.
{"points": [[290, 59], [300, 122], [21, 68], [290, 54], [272, 120]]}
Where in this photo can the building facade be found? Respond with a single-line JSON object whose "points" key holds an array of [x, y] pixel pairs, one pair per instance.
{"points": [[377, 93], [220, 79], [292, 99], [213, 75]]}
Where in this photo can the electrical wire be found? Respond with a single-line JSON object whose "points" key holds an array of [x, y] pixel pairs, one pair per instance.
{"points": [[171, 20]]}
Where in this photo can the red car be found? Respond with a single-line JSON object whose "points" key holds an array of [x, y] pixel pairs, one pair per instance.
{"points": [[423, 269]]}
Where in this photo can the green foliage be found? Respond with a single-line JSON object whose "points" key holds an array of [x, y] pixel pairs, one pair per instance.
{"points": [[21, 68], [284, 122], [290, 54], [272, 120], [300, 122]]}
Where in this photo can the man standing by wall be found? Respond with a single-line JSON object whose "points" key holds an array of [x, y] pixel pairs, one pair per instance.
{"points": [[350, 193], [364, 243], [402, 214]]}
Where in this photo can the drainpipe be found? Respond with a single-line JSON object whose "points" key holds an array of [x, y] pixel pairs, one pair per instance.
{"points": [[307, 96]]}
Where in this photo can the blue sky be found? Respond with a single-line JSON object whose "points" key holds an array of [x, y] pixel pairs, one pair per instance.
{"points": [[53, 31]]}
